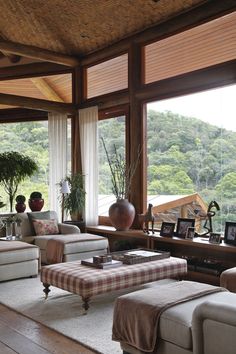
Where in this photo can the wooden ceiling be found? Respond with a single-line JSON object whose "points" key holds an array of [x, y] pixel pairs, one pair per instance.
{"points": [[80, 27], [70, 30]]}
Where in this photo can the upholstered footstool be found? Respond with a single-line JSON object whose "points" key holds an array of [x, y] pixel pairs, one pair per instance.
{"points": [[70, 247], [159, 320], [18, 260], [228, 279]]}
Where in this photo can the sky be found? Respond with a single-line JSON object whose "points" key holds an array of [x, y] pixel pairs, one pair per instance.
{"points": [[216, 106]]}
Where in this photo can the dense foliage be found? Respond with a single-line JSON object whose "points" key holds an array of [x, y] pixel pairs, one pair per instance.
{"points": [[31, 139], [185, 155], [15, 167]]}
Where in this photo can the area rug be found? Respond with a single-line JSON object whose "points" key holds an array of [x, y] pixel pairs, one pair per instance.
{"points": [[62, 311]]}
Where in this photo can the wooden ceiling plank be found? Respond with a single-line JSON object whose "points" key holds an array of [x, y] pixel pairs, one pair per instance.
{"points": [[38, 53], [46, 89], [35, 103]]}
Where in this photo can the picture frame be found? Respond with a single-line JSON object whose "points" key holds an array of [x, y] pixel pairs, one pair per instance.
{"points": [[230, 233], [167, 229], [182, 226], [215, 238], [190, 233]]}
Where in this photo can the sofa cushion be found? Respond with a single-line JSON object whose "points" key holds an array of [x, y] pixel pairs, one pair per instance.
{"points": [[17, 251], [40, 215], [175, 322], [25, 225], [45, 227], [86, 242]]}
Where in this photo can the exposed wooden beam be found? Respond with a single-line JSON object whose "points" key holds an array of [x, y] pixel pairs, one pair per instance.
{"points": [[46, 89], [38, 53], [32, 70], [109, 100], [35, 103], [13, 115], [13, 58], [200, 80]]}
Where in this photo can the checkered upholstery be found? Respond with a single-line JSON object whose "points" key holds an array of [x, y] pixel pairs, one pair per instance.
{"points": [[88, 281]]}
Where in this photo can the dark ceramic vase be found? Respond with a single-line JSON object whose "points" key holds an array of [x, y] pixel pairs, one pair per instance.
{"points": [[122, 214], [36, 204], [20, 207]]}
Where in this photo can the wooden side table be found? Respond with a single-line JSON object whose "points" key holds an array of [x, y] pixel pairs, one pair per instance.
{"points": [[80, 224]]}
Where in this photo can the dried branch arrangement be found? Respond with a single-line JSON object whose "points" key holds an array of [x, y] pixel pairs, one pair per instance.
{"points": [[121, 175]]}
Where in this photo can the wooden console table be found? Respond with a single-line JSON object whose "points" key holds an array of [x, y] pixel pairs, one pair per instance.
{"points": [[135, 236], [198, 249], [202, 254]]}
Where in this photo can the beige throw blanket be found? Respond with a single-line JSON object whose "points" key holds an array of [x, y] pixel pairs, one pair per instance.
{"points": [[136, 315], [56, 245]]}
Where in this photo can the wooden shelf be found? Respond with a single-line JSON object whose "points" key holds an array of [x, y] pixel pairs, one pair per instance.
{"points": [[198, 248], [137, 237]]}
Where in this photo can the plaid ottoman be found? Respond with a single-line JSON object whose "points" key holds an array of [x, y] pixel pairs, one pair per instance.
{"points": [[88, 281]]}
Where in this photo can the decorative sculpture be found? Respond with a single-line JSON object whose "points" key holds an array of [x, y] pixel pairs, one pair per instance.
{"points": [[144, 220], [210, 214]]}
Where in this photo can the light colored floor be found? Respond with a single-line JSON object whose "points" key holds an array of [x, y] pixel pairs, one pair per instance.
{"points": [[19, 334]]}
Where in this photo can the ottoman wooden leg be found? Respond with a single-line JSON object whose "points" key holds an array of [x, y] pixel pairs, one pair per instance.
{"points": [[85, 304], [46, 289]]}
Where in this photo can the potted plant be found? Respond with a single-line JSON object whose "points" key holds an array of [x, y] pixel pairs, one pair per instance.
{"points": [[15, 167], [1, 203], [20, 203], [74, 202], [122, 212], [36, 202]]}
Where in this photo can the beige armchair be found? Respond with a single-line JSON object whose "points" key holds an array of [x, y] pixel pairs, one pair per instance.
{"points": [[214, 327], [206, 325], [87, 246]]}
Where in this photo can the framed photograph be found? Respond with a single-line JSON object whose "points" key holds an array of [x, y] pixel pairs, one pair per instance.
{"points": [[167, 229], [230, 232], [182, 226], [190, 233], [215, 237]]}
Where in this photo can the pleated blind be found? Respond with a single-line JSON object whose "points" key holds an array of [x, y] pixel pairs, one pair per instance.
{"points": [[200, 47], [109, 76]]}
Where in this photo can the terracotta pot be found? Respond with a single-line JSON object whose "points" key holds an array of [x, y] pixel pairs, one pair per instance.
{"points": [[122, 214], [20, 207], [36, 204]]}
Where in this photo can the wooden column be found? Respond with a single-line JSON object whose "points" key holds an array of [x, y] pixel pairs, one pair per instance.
{"points": [[137, 133], [77, 86]]}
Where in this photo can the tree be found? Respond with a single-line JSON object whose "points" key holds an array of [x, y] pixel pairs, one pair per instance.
{"points": [[14, 168]]}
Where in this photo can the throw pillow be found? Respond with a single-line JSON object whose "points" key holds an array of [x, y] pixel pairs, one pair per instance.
{"points": [[45, 227], [40, 215]]}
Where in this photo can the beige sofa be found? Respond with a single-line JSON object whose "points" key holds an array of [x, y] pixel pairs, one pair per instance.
{"points": [[18, 260], [86, 247], [206, 325]]}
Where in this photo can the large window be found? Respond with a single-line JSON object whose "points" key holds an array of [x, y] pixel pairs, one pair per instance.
{"points": [[112, 131], [31, 139], [191, 144]]}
